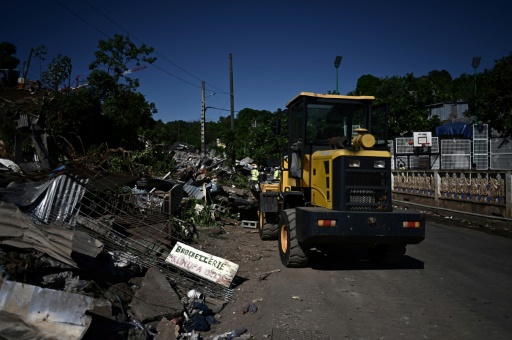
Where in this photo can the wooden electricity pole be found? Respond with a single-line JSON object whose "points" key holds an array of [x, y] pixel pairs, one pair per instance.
{"points": [[231, 94], [203, 117]]}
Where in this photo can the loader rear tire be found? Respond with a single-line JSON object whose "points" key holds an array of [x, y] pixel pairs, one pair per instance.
{"points": [[291, 253], [269, 225]]}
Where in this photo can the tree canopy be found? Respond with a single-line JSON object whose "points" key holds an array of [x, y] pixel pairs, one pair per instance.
{"points": [[109, 111], [7, 59]]}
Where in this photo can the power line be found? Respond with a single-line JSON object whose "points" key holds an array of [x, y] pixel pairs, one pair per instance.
{"points": [[85, 21], [160, 55]]}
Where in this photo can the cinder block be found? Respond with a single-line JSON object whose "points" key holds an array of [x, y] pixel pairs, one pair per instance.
{"points": [[249, 224], [219, 208]]}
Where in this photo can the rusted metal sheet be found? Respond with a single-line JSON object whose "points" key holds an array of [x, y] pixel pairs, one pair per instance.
{"points": [[18, 230], [212, 268]]}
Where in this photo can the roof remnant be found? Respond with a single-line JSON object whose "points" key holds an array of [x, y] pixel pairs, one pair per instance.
{"points": [[45, 313]]}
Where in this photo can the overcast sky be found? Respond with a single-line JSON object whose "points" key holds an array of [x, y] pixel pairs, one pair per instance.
{"points": [[279, 48]]}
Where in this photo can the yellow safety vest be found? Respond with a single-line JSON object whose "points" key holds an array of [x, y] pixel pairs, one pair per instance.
{"points": [[254, 174]]}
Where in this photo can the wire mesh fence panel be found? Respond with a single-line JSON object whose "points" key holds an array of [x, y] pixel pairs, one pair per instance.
{"points": [[404, 145], [133, 226], [481, 146], [456, 154], [500, 154], [434, 148]]}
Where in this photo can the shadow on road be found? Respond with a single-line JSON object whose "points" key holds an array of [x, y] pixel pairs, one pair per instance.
{"points": [[350, 259]]}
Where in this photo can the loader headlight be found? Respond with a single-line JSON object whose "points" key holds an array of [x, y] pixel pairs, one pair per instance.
{"points": [[379, 164], [354, 163]]}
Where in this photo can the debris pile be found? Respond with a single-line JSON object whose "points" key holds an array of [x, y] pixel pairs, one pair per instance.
{"points": [[114, 253]]}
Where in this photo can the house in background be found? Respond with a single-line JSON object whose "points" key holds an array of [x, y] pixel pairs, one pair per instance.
{"points": [[449, 112]]}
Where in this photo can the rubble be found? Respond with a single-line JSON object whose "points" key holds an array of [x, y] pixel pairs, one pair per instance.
{"points": [[155, 298], [102, 242], [42, 313]]}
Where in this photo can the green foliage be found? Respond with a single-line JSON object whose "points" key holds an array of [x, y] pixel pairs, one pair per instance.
{"points": [[40, 52], [367, 85], [407, 98], [492, 102], [110, 113], [442, 85], [151, 162], [117, 54], [236, 179], [59, 71], [255, 136], [229, 139], [7, 59], [196, 211]]}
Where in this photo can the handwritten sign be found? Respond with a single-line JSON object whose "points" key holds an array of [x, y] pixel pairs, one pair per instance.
{"points": [[212, 268]]}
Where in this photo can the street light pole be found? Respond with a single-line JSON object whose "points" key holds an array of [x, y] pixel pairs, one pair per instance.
{"points": [[337, 63], [475, 63]]}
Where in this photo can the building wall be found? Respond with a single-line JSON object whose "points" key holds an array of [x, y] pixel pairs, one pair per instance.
{"points": [[448, 111]]}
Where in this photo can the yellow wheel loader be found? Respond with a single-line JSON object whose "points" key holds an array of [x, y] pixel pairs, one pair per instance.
{"points": [[335, 187]]}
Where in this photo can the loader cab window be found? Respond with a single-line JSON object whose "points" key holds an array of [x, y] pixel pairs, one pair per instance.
{"points": [[379, 124], [327, 121], [296, 140], [296, 124]]}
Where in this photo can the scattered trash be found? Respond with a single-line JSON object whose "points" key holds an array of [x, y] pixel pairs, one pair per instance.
{"points": [[236, 332], [263, 276], [295, 297], [120, 229], [249, 307]]}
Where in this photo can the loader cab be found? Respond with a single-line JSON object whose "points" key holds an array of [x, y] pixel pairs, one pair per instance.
{"points": [[328, 121]]}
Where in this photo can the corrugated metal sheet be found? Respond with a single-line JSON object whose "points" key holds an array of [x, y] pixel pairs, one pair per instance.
{"points": [[448, 111], [52, 314], [61, 200], [193, 191]]}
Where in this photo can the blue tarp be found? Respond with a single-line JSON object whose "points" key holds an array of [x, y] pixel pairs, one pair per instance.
{"points": [[456, 128]]}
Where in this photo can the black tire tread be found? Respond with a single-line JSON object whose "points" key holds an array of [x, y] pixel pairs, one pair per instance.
{"points": [[270, 228], [295, 257]]}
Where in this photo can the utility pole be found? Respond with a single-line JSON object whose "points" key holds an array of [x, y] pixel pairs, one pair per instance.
{"points": [[203, 117], [25, 69], [231, 94]]}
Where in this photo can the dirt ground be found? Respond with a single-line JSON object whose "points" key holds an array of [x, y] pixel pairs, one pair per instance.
{"points": [[258, 261]]}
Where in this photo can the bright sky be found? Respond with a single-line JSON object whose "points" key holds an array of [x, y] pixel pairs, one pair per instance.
{"points": [[279, 47]]}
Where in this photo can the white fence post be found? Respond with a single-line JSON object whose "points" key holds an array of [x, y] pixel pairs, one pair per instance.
{"points": [[508, 194]]}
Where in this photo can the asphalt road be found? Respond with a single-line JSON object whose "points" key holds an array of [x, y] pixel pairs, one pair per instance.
{"points": [[457, 284]]}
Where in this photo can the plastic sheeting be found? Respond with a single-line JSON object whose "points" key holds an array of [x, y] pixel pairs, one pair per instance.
{"points": [[455, 129]]}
